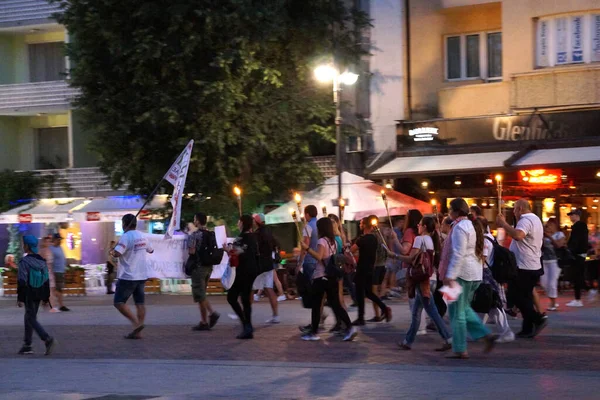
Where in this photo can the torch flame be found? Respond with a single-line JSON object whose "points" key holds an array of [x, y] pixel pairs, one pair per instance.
{"points": [[237, 191], [297, 198], [342, 203], [498, 178], [374, 221]]}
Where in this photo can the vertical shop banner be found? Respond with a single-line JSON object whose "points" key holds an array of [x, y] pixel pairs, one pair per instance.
{"points": [[542, 49], [176, 176], [577, 39], [596, 38], [561, 41]]}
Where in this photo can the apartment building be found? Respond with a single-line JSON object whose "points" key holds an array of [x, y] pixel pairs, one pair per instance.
{"points": [[507, 88]]}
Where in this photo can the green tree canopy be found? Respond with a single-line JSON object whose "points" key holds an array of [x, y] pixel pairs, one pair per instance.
{"points": [[234, 75]]}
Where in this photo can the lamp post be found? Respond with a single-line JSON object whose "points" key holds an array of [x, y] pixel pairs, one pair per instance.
{"points": [[329, 73]]}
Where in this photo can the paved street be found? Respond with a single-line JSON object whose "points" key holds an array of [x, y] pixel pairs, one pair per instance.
{"points": [[93, 360]]}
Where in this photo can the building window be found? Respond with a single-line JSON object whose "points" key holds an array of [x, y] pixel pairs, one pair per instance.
{"points": [[568, 39], [47, 62], [474, 56]]}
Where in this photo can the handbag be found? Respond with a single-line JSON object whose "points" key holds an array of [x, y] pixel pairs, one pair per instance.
{"points": [[228, 277], [190, 265], [422, 267], [349, 266]]}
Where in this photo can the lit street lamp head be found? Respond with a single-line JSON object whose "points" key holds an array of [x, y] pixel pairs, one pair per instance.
{"points": [[348, 78], [325, 73]]}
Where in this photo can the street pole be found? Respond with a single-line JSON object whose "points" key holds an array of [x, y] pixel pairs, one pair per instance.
{"points": [[338, 136]]}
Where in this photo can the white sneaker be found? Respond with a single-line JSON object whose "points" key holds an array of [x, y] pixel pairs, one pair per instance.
{"points": [[282, 298], [310, 337], [54, 310], [233, 316], [273, 320], [506, 338], [575, 303], [422, 332], [256, 297], [351, 334], [592, 294]]}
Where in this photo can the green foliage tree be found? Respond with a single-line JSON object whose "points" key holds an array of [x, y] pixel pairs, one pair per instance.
{"points": [[235, 75], [17, 186]]}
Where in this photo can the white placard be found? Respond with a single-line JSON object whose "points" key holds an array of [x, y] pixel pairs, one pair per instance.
{"points": [[561, 41], [542, 49], [577, 39], [170, 256], [595, 38]]}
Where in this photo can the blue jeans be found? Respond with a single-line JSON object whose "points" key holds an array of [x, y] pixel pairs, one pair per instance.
{"points": [[428, 304], [464, 320], [31, 322], [125, 289]]}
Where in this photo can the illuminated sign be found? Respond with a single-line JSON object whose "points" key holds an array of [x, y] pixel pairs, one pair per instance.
{"points": [[423, 134], [25, 218], [541, 176]]}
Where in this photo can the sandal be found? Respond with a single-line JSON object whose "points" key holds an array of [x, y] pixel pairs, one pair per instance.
{"points": [[134, 334]]}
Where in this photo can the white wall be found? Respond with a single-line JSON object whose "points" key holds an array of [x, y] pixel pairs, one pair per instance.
{"points": [[387, 69]]}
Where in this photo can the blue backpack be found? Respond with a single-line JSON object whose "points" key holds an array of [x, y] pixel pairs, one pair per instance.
{"points": [[37, 278]]}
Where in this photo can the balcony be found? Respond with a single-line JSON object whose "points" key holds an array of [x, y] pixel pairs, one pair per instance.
{"points": [[474, 100], [556, 88], [34, 98], [462, 3], [16, 13]]}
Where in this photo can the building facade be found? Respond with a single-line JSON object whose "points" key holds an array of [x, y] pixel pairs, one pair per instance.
{"points": [[508, 88]]}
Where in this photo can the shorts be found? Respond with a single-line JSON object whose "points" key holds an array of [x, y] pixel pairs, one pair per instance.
{"points": [[200, 277], [125, 289], [393, 266], [264, 280], [378, 275], [59, 281]]}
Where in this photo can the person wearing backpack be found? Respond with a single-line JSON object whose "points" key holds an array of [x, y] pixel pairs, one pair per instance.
{"points": [[427, 244], [198, 242], [527, 237], [497, 299], [367, 246], [33, 287]]}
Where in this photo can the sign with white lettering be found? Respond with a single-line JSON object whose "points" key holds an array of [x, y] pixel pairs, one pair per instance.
{"points": [[423, 134], [536, 128]]}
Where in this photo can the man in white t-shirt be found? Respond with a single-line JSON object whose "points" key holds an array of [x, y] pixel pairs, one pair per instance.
{"points": [[132, 274], [527, 241]]}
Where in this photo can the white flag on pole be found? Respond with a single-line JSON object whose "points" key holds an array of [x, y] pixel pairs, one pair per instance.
{"points": [[176, 176]]}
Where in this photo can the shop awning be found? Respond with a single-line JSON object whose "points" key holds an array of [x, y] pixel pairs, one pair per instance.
{"points": [[42, 211], [110, 209], [551, 157], [442, 164]]}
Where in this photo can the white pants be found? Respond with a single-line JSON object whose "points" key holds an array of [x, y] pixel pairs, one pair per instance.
{"points": [[499, 317], [549, 280]]}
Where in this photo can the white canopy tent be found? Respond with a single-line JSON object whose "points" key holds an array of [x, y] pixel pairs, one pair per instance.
{"points": [[42, 211], [362, 196]]}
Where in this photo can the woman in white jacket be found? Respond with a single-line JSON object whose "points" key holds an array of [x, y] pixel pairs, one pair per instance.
{"points": [[465, 268]]}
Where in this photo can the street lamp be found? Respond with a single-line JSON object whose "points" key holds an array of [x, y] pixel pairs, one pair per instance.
{"points": [[328, 73]]}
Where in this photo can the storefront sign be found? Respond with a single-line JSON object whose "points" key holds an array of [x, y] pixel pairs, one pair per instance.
{"points": [[577, 39], [25, 218], [423, 134], [92, 216], [541, 177], [527, 128]]}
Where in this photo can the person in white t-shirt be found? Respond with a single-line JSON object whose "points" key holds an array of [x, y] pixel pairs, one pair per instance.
{"points": [[527, 237], [131, 252], [553, 239], [427, 241]]}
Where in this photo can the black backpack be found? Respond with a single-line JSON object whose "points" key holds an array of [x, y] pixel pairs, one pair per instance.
{"points": [[484, 299], [208, 253], [505, 267]]}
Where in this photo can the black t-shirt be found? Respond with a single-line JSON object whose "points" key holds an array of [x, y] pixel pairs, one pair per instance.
{"points": [[578, 241], [367, 252], [266, 246]]}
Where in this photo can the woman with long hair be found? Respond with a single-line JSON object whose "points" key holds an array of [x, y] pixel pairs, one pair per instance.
{"points": [[340, 239], [245, 247], [428, 240], [323, 285], [465, 268], [553, 239]]}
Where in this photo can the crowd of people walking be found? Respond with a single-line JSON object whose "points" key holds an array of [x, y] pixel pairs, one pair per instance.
{"points": [[450, 266]]}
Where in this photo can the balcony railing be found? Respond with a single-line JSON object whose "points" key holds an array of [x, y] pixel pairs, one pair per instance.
{"points": [[75, 182], [559, 87], [26, 12], [38, 97]]}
